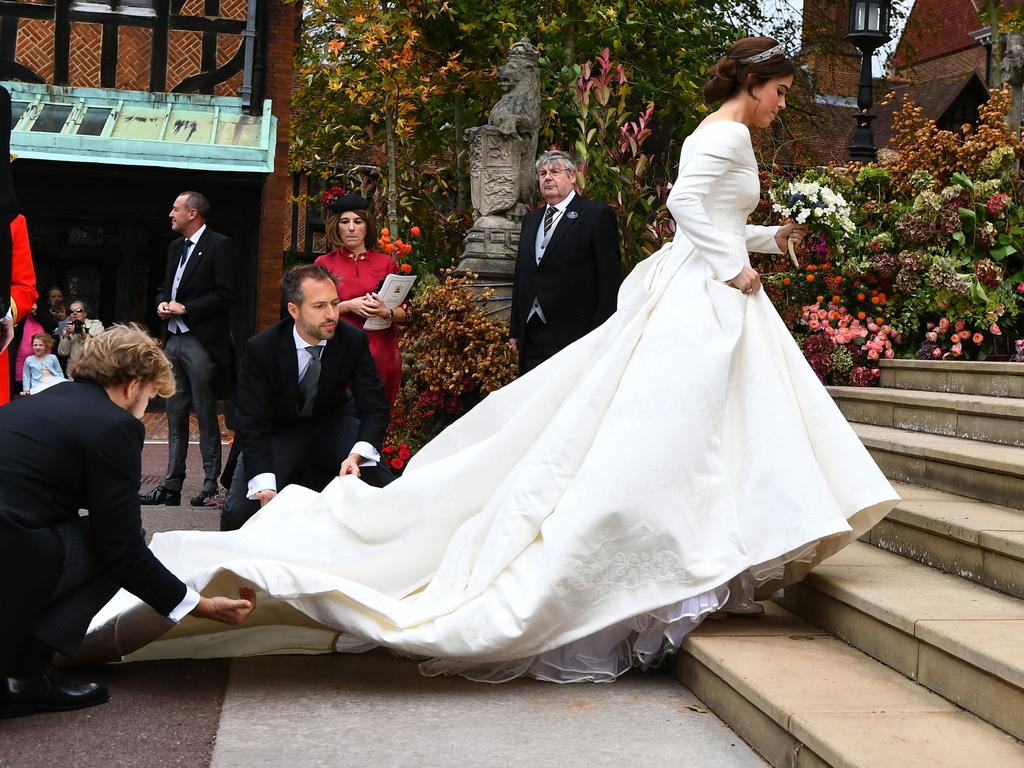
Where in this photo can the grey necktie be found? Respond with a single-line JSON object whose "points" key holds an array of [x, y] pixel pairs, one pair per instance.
{"points": [[308, 382], [549, 216]]}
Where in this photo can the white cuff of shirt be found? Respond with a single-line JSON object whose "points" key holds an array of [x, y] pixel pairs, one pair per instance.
{"points": [[266, 481], [368, 452], [190, 601]]}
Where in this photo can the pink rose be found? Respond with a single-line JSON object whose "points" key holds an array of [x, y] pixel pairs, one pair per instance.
{"points": [[932, 336], [994, 330], [872, 354], [936, 353], [889, 354], [956, 350]]}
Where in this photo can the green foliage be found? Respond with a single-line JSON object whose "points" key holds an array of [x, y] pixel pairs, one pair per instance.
{"points": [[395, 85]]}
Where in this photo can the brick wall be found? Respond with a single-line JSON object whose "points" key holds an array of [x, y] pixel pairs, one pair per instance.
{"points": [[961, 61], [283, 34], [35, 50]]}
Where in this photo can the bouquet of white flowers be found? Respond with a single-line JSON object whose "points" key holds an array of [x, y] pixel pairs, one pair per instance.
{"points": [[814, 204]]}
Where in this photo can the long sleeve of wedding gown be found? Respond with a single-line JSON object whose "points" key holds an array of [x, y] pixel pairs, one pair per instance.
{"points": [[712, 159]]}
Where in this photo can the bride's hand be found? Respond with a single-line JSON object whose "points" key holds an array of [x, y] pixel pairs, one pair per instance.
{"points": [[748, 281], [788, 233]]}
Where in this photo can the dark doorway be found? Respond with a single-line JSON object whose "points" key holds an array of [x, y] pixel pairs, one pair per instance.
{"points": [[101, 232]]}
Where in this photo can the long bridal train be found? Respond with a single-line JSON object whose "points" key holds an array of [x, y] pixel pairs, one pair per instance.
{"points": [[584, 518], [576, 522]]}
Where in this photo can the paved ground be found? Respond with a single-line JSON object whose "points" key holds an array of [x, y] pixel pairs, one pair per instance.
{"points": [[368, 710]]}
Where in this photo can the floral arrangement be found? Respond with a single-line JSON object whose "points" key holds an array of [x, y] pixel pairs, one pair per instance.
{"points": [[931, 264], [400, 251], [453, 356], [810, 202]]}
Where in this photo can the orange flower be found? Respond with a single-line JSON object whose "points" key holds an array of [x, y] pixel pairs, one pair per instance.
{"points": [[811, 267], [385, 234], [786, 281], [978, 338], [874, 299], [837, 299], [389, 248], [810, 279], [406, 248], [820, 299], [861, 316], [407, 268], [861, 297], [856, 283], [879, 320], [414, 231]]}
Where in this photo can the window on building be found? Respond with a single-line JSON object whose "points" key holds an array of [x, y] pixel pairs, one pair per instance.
{"points": [[123, 7]]}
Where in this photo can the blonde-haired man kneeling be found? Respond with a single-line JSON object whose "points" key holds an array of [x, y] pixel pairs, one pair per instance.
{"points": [[58, 569]]}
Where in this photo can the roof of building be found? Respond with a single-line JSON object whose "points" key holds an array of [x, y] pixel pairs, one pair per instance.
{"points": [[824, 136], [119, 127], [937, 28]]}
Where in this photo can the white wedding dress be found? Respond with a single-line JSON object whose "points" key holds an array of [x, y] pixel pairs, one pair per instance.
{"points": [[584, 518]]}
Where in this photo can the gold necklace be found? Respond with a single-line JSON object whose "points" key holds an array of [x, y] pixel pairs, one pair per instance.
{"points": [[356, 256]]}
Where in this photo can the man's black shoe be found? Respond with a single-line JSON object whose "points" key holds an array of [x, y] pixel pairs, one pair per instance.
{"points": [[48, 692], [200, 499], [161, 495]]}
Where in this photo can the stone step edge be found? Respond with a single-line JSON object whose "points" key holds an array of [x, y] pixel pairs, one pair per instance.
{"points": [[826, 581], [975, 405], [983, 556], [949, 450], [932, 650], [785, 742], [955, 366]]}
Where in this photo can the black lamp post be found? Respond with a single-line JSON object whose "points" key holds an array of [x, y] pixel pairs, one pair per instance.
{"points": [[869, 30]]}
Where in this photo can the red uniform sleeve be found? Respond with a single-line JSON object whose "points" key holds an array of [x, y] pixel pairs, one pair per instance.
{"points": [[23, 273]]}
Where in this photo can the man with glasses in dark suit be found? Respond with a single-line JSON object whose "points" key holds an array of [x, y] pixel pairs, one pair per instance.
{"points": [[568, 268]]}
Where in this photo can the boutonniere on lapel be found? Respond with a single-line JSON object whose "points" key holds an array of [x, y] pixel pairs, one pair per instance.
{"points": [[571, 214]]}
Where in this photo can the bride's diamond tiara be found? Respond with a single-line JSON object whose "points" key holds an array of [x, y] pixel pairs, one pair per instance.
{"points": [[757, 58]]}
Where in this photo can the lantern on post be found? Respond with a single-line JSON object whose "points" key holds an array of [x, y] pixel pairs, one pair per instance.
{"points": [[869, 30]]}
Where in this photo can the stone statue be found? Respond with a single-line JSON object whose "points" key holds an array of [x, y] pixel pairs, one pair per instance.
{"points": [[501, 168], [1012, 70]]}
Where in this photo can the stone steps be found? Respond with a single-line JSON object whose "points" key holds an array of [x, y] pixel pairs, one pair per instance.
{"points": [[984, 471], [972, 417], [959, 639], [964, 378], [980, 542], [804, 699]]}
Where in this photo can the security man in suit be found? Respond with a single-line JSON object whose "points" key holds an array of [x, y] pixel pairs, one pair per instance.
{"points": [[195, 300]]}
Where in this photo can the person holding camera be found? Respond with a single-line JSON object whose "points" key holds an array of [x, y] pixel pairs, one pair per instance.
{"points": [[78, 328]]}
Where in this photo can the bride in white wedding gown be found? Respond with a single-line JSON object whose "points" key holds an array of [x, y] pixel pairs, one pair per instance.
{"points": [[583, 519]]}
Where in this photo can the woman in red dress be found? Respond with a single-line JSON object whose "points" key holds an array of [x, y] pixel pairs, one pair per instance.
{"points": [[359, 271]]}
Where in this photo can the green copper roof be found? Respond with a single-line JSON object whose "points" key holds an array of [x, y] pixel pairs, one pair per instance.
{"points": [[169, 130]]}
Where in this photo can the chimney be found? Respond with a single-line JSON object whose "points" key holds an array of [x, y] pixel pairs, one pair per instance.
{"points": [[834, 64]]}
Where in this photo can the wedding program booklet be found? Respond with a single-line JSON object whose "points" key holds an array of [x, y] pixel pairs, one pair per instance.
{"points": [[392, 292]]}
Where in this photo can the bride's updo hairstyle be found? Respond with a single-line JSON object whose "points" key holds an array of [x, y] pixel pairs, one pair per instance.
{"points": [[749, 63]]}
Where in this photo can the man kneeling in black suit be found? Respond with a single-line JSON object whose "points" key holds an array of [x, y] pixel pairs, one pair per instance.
{"points": [[58, 568], [309, 404]]}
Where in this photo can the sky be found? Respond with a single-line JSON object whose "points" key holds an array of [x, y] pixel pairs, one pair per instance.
{"points": [[793, 8]]}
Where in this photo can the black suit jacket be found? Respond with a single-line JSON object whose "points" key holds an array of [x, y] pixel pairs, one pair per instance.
{"points": [[207, 290], [65, 449], [578, 279], [266, 401]]}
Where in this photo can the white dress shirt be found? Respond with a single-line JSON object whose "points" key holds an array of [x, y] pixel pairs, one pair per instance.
{"points": [[176, 324], [542, 243], [267, 481]]}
